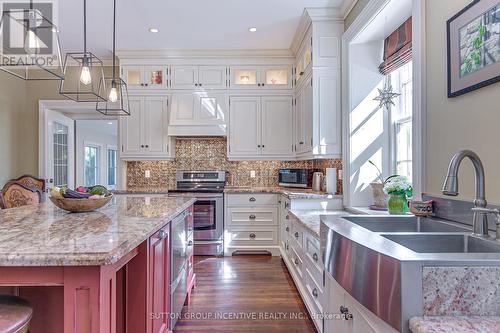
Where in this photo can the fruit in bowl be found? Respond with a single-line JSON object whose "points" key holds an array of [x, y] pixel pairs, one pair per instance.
{"points": [[82, 199]]}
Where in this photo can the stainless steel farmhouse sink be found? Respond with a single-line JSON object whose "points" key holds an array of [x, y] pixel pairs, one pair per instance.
{"points": [[444, 243], [380, 260], [404, 224]]}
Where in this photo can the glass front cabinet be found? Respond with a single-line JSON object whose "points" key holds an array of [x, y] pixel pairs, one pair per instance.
{"points": [[263, 77], [145, 77]]}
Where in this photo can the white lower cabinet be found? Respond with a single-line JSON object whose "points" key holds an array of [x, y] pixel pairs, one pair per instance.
{"points": [[251, 224], [144, 135], [261, 128]]}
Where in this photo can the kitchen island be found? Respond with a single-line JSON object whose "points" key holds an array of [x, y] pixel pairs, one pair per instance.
{"points": [[105, 271]]}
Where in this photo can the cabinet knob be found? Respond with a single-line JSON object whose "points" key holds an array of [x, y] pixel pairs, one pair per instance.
{"points": [[196, 84], [296, 261], [258, 84], [142, 84], [162, 234], [252, 217], [287, 205], [146, 84], [252, 199], [296, 235], [287, 229], [315, 257], [199, 84], [345, 312], [190, 243], [315, 292], [263, 146], [263, 84], [147, 146], [301, 73], [301, 143], [287, 217], [142, 146], [252, 236], [258, 146]]}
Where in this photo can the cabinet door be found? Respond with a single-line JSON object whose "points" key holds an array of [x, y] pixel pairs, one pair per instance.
{"points": [[299, 122], [184, 77], [156, 126], [131, 128], [155, 77], [307, 116], [212, 77], [276, 77], [244, 129], [335, 299], [244, 77], [211, 108], [132, 75], [159, 291], [277, 124], [183, 108]]}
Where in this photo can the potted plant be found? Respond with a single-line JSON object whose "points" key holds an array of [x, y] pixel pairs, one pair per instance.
{"points": [[379, 196], [400, 191]]}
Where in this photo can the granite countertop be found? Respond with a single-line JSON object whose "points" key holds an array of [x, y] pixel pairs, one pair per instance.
{"points": [[311, 219], [142, 190], [44, 235], [462, 324], [291, 193]]}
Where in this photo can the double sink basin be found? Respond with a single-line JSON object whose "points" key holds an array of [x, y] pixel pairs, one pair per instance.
{"points": [[379, 260]]}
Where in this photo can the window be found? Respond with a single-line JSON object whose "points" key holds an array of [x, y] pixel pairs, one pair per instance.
{"points": [[401, 118], [112, 167], [60, 155], [91, 172]]}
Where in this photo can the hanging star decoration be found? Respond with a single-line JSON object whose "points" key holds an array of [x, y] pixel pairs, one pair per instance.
{"points": [[386, 96]]}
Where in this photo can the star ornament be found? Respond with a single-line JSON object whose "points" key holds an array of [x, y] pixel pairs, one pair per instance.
{"points": [[386, 96]]}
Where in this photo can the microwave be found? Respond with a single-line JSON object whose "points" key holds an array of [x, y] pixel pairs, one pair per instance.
{"points": [[296, 178]]}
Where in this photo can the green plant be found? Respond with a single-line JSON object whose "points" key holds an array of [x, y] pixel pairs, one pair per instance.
{"points": [[398, 185], [379, 173]]}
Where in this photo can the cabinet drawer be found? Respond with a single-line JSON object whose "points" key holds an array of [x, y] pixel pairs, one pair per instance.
{"points": [[297, 263], [250, 217], [312, 250], [253, 237], [316, 297], [251, 199], [297, 233]]}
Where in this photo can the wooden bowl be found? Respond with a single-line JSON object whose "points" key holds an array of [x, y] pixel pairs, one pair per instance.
{"points": [[80, 205]]}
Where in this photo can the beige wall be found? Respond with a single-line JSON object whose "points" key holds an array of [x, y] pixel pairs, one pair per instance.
{"points": [[470, 121], [14, 123]]}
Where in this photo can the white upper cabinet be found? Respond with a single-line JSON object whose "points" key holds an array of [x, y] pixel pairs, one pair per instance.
{"points": [[143, 134], [261, 128], [261, 77], [277, 120], [145, 77], [198, 113], [199, 77], [244, 127]]}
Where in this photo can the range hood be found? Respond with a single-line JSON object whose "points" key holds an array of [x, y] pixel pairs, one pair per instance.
{"points": [[198, 114]]}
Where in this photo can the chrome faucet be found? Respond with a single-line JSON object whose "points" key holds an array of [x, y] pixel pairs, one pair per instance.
{"points": [[450, 187]]}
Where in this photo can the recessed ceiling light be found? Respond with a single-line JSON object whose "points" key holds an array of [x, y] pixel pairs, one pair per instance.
{"points": [[110, 123], [153, 30], [252, 29]]}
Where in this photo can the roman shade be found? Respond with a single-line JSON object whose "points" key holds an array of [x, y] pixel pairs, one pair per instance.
{"points": [[397, 48]]}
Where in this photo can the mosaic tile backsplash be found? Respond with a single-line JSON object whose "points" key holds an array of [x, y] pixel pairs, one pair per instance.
{"points": [[211, 154]]}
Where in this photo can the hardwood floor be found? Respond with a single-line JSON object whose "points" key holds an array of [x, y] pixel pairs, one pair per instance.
{"points": [[241, 291]]}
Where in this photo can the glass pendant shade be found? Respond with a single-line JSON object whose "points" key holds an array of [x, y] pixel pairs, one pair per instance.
{"points": [[117, 103], [83, 76], [29, 45]]}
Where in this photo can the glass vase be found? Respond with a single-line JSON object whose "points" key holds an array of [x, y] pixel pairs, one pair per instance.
{"points": [[397, 204]]}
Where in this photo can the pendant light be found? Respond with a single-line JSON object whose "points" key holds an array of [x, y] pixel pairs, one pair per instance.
{"points": [[30, 48], [82, 72], [114, 88]]}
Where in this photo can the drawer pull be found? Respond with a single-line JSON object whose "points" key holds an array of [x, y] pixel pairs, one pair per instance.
{"points": [[287, 247], [297, 235], [296, 261], [287, 229], [315, 257], [252, 217], [190, 243], [252, 199], [287, 205], [252, 236], [345, 312], [287, 217], [162, 234], [315, 292]]}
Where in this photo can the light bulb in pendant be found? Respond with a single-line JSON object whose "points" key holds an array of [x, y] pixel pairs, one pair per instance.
{"points": [[31, 42], [85, 77], [113, 93]]}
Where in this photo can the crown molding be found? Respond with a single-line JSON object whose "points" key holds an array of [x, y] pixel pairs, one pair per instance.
{"points": [[186, 54], [309, 16]]}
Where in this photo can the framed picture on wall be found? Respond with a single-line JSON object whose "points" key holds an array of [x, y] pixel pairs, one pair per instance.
{"points": [[474, 47]]}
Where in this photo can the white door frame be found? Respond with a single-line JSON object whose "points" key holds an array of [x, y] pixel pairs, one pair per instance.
{"points": [[419, 92], [77, 111]]}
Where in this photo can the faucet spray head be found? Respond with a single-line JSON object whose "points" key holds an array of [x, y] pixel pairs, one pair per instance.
{"points": [[450, 186]]}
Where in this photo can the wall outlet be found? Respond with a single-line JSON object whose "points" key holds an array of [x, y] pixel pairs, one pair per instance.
{"points": [[252, 173], [147, 174], [340, 174]]}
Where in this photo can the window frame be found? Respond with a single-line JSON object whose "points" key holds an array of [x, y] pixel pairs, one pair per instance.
{"points": [[98, 161], [115, 149]]}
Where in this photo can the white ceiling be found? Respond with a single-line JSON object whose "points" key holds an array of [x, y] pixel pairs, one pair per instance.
{"points": [[105, 127], [183, 24]]}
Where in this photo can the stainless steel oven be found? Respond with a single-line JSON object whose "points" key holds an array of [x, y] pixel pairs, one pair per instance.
{"points": [[208, 214]]}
